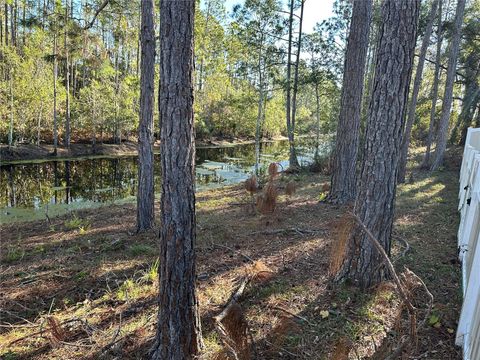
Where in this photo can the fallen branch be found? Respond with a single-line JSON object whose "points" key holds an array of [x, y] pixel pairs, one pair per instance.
{"points": [[387, 261], [286, 230], [26, 337], [227, 341], [233, 299], [233, 250], [282, 349], [76, 345], [8, 325], [404, 294], [430, 296], [406, 246], [292, 314]]}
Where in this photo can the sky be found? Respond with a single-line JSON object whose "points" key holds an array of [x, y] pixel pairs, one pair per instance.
{"points": [[314, 11]]}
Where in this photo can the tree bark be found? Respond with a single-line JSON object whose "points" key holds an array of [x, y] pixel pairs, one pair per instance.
{"points": [[477, 117], [343, 182], [293, 162], [374, 204], [13, 24], [145, 195], [402, 166], [24, 22], [55, 74], [470, 99], [67, 82], [260, 110], [39, 122], [178, 329], [116, 129], [317, 126], [448, 95], [6, 23], [295, 84], [434, 95], [10, 128]]}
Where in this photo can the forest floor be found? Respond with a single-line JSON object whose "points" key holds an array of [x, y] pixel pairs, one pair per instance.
{"points": [[84, 286], [31, 152]]}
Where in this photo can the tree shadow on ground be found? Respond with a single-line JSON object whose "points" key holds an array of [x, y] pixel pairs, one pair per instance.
{"points": [[294, 243]]}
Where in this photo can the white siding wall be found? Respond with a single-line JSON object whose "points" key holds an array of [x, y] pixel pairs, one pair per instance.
{"points": [[468, 332]]}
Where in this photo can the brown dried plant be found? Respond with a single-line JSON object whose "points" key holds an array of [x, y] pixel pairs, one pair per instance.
{"points": [[284, 327], [290, 189], [273, 170], [343, 230], [233, 329], [259, 272], [57, 332], [342, 349], [268, 201], [251, 185], [259, 202]]}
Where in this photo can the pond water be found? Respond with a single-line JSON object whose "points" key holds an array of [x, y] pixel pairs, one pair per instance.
{"points": [[31, 190]]}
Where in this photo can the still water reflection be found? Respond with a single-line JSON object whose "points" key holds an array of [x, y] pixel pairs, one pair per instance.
{"points": [[29, 191]]}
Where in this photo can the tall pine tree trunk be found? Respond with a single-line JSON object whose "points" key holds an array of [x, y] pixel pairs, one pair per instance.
{"points": [[295, 80], [374, 203], [402, 166], [67, 82], [10, 128], [6, 23], [178, 329], [293, 162], [317, 125], [55, 74], [260, 110], [470, 98], [343, 183], [448, 95], [145, 195], [434, 94]]}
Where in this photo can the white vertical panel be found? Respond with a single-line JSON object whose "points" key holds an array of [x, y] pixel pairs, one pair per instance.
{"points": [[468, 332]]}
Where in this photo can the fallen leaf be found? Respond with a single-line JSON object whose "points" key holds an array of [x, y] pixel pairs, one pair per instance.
{"points": [[324, 314]]}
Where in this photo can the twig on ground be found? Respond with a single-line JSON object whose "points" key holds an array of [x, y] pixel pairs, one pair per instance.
{"points": [[233, 250], [75, 344], [301, 232], [406, 245], [233, 298], [404, 294], [430, 295], [25, 337], [293, 314], [115, 335], [233, 301], [390, 267], [281, 349], [8, 325], [396, 353], [16, 316]]}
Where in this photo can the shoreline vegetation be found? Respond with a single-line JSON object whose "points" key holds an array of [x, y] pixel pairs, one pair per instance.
{"points": [[32, 153]]}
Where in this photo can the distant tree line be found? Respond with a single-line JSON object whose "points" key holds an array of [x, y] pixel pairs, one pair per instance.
{"points": [[70, 71]]}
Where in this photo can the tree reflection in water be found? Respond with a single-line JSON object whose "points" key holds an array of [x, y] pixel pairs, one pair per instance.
{"points": [[31, 186]]}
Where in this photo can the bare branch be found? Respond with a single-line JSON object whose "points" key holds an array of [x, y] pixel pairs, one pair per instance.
{"points": [[102, 6]]}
